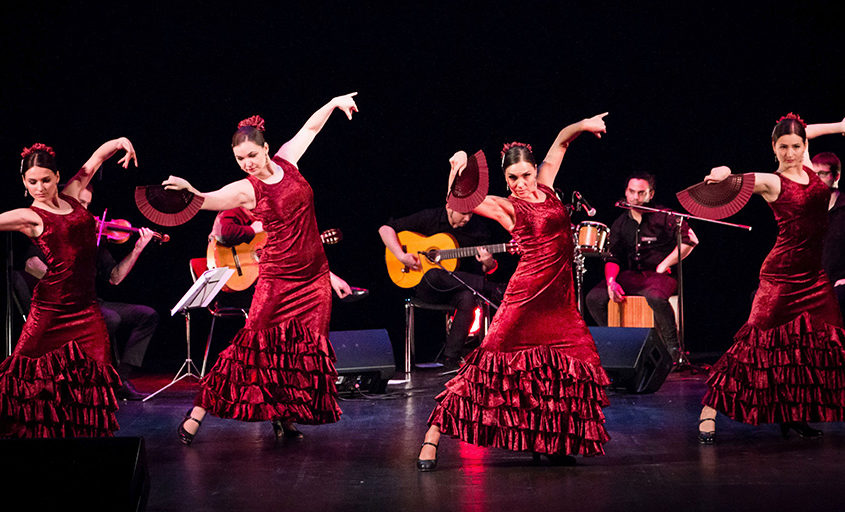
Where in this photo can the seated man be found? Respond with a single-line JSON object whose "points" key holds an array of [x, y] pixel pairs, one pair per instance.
{"points": [[438, 286], [140, 321], [827, 166], [239, 226], [645, 244]]}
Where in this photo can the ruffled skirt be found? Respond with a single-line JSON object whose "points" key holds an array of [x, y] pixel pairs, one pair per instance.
{"points": [[282, 372], [63, 393], [791, 372], [538, 399]]}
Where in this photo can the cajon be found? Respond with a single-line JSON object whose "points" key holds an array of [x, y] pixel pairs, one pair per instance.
{"points": [[634, 311]]}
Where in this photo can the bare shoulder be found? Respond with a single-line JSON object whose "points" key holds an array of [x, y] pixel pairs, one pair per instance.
{"points": [[767, 185], [499, 209]]}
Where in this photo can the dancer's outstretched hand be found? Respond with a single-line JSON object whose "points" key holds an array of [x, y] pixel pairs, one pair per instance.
{"points": [[130, 155], [717, 174], [346, 104], [595, 125], [176, 183]]}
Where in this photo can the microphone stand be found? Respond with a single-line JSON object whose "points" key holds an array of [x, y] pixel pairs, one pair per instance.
{"points": [[475, 292], [578, 256], [458, 279], [683, 361]]}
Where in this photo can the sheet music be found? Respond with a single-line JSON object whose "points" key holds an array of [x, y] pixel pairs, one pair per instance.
{"points": [[204, 289]]}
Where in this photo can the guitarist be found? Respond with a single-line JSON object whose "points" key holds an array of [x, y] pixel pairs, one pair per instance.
{"points": [[239, 226], [437, 286]]}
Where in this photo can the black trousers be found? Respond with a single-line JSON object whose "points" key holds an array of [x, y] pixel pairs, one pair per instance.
{"points": [[141, 322], [439, 287]]}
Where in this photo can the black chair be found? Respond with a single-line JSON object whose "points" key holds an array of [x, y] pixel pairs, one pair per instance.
{"points": [[413, 303]]}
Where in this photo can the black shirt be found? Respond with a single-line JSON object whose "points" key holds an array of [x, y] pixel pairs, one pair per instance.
{"points": [[105, 260], [643, 245], [833, 253], [431, 221]]}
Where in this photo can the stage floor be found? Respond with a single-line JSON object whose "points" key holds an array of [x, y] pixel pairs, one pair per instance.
{"points": [[365, 462]]}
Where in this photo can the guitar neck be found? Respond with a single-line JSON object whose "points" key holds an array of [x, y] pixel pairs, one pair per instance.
{"points": [[465, 252]]}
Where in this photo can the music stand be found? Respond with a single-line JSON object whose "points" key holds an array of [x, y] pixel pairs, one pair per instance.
{"points": [[200, 295]]}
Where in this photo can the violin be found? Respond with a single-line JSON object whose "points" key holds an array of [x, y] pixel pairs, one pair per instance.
{"points": [[119, 230]]}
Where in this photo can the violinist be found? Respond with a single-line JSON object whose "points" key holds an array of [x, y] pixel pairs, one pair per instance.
{"points": [[137, 321]]}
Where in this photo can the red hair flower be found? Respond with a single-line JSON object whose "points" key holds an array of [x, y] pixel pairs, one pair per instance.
{"points": [[38, 147], [514, 144], [255, 121], [792, 116]]}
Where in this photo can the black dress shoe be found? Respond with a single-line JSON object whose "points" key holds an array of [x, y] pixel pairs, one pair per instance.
{"points": [[128, 392], [803, 430], [286, 430], [675, 354], [186, 437], [706, 437], [425, 465]]}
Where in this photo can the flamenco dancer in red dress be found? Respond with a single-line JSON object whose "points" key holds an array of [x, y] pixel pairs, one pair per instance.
{"points": [[280, 366], [535, 383], [787, 364], [59, 381]]}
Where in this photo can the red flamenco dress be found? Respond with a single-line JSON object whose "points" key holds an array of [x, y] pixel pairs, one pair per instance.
{"points": [[280, 366], [535, 383], [787, 363], [59, 381]]}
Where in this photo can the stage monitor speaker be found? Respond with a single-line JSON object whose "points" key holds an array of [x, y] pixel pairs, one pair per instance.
{"points": [[634, 357], [364, 360], [77, 473]]}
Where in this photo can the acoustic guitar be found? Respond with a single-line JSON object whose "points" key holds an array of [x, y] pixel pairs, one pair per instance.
{"points": [[434, 251], [244, 258]]}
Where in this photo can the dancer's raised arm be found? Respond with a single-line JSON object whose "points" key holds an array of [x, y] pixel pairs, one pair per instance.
{"points": [[819, 129], [233, 195], [83, 177], [493, 207], [293, 149], [549, 167]]}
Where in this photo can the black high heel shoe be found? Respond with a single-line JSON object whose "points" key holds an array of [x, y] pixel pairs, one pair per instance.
{"points": [[286, 430], [706, 437], [801, 428], [555, 459], [186, 437], [424, 465]]}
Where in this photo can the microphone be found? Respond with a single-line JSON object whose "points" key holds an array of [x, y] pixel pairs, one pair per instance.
{"points": [[590, 211]]}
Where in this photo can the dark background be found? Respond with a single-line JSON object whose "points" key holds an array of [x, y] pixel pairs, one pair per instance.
{"points": [[687, 88]]}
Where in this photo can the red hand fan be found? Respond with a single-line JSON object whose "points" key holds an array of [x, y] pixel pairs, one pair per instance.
{"points": [[167, 207], [469, 187], [718, 200]]}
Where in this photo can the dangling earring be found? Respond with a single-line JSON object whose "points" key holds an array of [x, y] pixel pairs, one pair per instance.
{"points": [[25, 193]]}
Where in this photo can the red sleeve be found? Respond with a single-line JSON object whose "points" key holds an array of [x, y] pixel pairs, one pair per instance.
{"points": [[235, 228]]}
